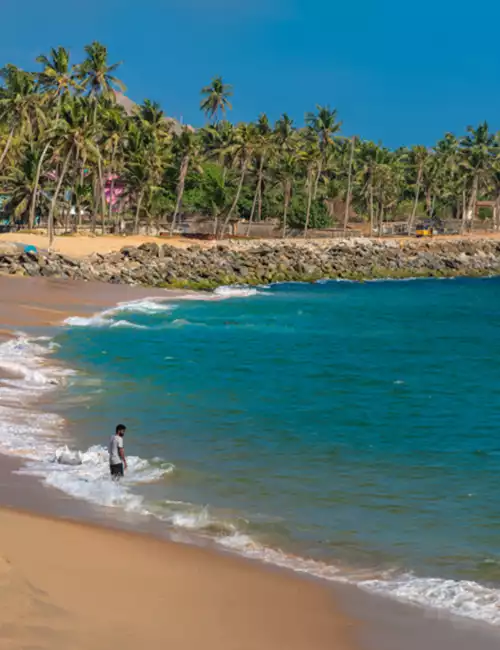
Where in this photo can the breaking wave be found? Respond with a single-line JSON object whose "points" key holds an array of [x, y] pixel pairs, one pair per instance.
{"points": [[40, 439]]}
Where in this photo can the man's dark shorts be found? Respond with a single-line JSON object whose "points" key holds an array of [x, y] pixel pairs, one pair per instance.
{"points": [[116, 470]]}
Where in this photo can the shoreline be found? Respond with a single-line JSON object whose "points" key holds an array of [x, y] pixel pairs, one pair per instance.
{"points": [[229, 597], [88, 586], [443, 627], [204, 268]]}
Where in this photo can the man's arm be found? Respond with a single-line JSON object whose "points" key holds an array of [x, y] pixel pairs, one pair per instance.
{"points": [[121, 452]]}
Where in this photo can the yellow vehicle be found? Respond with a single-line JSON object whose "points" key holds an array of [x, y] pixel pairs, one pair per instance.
{"points": [[424, 230]]}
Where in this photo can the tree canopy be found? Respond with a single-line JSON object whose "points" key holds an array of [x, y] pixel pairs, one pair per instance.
{"points": [[70, 153]]}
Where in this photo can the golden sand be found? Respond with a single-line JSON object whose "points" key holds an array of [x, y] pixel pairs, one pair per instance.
{"points": [[67, 585]]}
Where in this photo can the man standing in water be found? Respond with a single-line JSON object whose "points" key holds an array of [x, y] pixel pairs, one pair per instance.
{"points": [[117, 461]]}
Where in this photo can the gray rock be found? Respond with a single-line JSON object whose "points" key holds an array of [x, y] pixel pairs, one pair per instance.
{"points": [[8, 248]]}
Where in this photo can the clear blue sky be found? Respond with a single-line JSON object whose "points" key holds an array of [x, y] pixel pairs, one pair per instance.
{"points": [[397, 72]]}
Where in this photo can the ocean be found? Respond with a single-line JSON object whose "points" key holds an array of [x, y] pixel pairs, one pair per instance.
{"points": [[347, 430]]}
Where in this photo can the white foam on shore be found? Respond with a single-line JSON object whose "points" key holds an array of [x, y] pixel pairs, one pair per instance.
{"points": [[90, 480], [98, 320], [236, 291], [460, 597], [39, 438], [105, 318], [144, 306], [150, 306], [457, 597]]}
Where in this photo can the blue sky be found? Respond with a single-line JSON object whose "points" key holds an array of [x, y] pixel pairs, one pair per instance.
{"points": [[402, 73]]}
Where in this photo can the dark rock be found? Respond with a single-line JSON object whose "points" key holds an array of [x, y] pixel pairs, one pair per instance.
{"points": [[150, 248]]}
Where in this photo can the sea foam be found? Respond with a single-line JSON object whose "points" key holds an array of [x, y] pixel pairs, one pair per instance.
{"points": [[40, 439], [106, 318], [235, 291]]}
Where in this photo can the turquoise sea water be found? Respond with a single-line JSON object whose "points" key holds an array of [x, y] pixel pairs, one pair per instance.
{"points": [[356, 425]]}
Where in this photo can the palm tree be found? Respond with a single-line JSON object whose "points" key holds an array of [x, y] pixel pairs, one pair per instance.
{"points": [[478, 148], [217, 141], [285, 135], [97, 75], [311, 156], [58, 75], [417, 158], [366, 161], [21, 182], [451, 181], [39, 151], [20, 104], [152, 120], [215, 100], [241, 150], [324, 124], [262, 148], [349, 184], [186, 148], [285, 173], [114, 123], [140, 168], [387, 180], [74, 139]]}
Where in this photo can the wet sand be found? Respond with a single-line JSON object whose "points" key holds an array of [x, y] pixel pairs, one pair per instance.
{"points": [[42, 302], [66, 584], [368, 621]]}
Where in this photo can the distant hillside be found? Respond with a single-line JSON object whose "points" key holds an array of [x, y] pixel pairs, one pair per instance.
{"points": [[131, 106]]}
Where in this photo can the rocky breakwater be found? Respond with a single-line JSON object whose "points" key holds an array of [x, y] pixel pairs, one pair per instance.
{"points": [[261, 262]]}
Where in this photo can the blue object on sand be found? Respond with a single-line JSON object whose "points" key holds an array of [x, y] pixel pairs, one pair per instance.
{"points": [[30, 249]]}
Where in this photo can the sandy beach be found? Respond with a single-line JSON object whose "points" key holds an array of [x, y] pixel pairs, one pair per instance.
{"points": [[85, 577], [39, 302], [83, 245], [67, 584]]}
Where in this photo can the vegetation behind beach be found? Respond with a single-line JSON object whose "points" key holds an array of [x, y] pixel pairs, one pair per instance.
{"points": [[74, 151]]}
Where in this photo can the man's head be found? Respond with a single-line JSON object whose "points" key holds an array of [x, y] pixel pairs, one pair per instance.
{"points": [[120, 430]]}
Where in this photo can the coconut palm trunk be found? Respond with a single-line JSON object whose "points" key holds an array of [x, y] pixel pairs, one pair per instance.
{"points": [[95, 202], [7, 146], [102, 196], [496, 212], [234, 205], [138, 212], [78, 206], [349, 187], [471, 207], [286, 204], [56, 195], [428, 203], [252, 211], [310, 190], [112, 186], [180, 191], [318, 176], [31, 221], [415, 202], [372, 211], [257, 199], [259, 204]]}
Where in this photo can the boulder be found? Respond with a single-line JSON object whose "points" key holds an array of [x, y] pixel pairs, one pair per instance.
{"points": [[8, 248], [150, 248]]}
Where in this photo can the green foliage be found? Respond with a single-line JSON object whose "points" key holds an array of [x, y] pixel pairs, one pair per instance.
{"points": [[65, 143], [319, 214]]}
